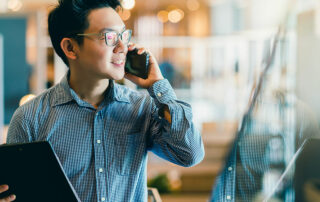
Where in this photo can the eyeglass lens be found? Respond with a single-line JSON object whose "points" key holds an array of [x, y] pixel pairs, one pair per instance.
{"points": [[112, 37]]}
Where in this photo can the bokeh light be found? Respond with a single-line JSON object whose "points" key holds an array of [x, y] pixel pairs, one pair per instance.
{"points": [[193, 5], [128, 4], [125, 15], [14, 5], [163, 16], [175, 15]]}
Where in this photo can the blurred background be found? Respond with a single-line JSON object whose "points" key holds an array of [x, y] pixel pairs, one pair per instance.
{"points": [[211, 51]]}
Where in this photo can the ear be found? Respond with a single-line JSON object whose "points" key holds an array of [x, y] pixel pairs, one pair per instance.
{"points": [[69, 47]]}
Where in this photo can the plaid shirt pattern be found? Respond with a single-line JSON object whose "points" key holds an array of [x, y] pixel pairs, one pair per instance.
{"points": [[104, 151]]}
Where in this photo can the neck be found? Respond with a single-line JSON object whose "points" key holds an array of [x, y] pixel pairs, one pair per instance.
{"points": [[87, 88]]}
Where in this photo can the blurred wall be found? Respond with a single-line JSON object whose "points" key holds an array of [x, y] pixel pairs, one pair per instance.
{"points": [[1, 90], [16, 71], [308, 61]]}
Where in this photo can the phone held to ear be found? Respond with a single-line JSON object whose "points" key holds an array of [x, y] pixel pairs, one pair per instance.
{"points": [[136, 64]]}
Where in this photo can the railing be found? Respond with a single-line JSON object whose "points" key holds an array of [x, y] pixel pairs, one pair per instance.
{"points": [[154, 195]]}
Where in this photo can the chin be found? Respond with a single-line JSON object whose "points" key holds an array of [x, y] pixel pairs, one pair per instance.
{"points": [[114, 75], [117, 76]]}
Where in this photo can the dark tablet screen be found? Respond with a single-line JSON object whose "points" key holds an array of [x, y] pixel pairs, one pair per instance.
{"points": [[34, 173]]}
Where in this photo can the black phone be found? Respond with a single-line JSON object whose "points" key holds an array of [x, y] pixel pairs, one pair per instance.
{"points": [[136, 64]]}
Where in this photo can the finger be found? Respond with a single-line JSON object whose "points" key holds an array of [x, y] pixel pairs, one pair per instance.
{"points": [[141, 50], [8, 198], [152, 59], [133, 78], [4, 188], [130, 77], [131, 46]]}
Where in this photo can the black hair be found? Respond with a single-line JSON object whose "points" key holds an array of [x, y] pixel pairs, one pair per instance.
{"points": [[70, 17]]}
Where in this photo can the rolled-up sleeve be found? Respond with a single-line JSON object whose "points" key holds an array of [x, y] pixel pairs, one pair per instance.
{"points": [[179, 141]]}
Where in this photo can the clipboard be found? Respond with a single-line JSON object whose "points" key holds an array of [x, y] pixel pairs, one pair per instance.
{"points": [[34, 173]]}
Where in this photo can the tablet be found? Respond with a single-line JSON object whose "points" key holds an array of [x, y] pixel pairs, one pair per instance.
{"points": [[34, 173]]}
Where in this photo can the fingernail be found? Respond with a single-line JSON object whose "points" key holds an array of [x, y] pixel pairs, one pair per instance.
{"points": [[13, 197]]}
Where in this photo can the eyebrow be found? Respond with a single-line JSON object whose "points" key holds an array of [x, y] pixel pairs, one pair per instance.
{"points": [[110, 29]]}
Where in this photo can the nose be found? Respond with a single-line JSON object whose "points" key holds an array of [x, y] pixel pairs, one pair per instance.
{"points": [[120, 47]]}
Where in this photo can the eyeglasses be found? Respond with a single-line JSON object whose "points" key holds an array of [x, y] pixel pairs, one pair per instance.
{"points": [[112, 37]]}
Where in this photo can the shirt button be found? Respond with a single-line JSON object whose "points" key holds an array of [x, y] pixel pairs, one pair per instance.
{"points": [[98, 141], [230, 168], [103, 199], [228, 197], [100, 170], [159, 94]]}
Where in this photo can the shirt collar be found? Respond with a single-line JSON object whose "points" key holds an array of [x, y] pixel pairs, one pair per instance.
{"points": [[64, 93], [116, 93]]}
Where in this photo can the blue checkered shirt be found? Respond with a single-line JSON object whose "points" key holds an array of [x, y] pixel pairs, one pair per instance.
{"points": [[104, 151]]}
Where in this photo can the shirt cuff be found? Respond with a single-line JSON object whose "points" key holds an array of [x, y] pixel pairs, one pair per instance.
{"points": [[162, 92]]}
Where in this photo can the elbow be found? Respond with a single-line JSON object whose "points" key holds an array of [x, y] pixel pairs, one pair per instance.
{"points": [[195, 157]]}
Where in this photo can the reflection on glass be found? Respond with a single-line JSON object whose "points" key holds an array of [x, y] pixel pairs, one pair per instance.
{"points": [[270, 157]]}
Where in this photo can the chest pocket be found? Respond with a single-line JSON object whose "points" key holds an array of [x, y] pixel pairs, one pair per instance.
{"points": [[128, 154]]}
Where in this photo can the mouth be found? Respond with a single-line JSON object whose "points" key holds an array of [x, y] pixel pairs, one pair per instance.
{"points": [[118, 63]]}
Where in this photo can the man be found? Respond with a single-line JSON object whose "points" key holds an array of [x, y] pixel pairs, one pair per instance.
{"points": [[101, 131]]}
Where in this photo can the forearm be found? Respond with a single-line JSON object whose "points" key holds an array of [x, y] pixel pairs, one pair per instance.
{"points": [[173, 134], [186, 152]]}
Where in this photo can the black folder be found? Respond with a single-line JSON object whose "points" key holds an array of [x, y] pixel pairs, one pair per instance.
{"points": [[34, 173]]}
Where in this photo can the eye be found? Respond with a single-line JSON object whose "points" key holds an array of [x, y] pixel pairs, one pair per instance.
{"points": [[125, 37], [111, 37]]}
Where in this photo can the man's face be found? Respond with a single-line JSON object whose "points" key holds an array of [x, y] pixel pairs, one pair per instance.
{"points": [[95, 57]]}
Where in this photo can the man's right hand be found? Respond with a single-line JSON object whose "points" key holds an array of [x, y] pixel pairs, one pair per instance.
{"points": [[4, 188]]}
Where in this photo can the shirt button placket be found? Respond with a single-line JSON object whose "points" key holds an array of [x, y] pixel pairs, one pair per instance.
{"points": [[99, 157]]}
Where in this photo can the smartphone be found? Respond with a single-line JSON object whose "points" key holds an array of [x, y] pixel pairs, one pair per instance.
{"points": [[136, 64]]}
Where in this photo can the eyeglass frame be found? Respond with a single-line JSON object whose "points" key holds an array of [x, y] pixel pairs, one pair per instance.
{"points": [[119, 35]]}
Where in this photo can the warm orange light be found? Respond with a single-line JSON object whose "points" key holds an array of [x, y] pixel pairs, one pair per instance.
{"points": [[128, 4], [193, 5], [181, 13], [175, 15], [125, 15], [162, 16], [14, 5]]}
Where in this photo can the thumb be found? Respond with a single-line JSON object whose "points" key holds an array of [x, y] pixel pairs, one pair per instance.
{"points": [[131, 77]]}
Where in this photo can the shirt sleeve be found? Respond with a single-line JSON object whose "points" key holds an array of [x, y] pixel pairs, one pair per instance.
{"points": [[179, 142], [18, 131]]}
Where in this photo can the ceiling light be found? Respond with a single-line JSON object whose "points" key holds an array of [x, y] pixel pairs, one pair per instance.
{"points": [[193, 5], [125, 15], [163, 16], [14, 5], [128, 4], [175, 15]]}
